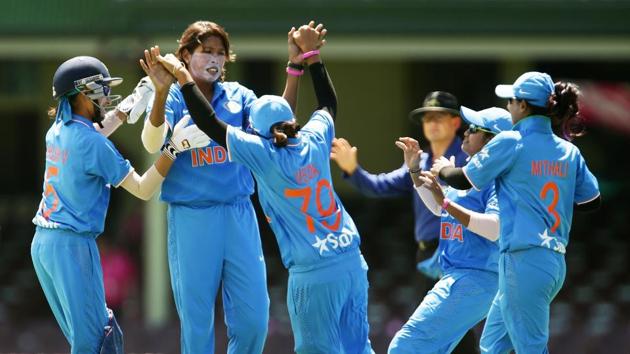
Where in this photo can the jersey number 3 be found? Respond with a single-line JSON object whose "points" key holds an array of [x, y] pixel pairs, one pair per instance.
{"points": [[553, 187], [307, 194]]}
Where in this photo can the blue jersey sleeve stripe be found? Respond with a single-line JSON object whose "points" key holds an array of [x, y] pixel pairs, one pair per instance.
{"points": [[469, 180], [131, 169], [588, 200]]}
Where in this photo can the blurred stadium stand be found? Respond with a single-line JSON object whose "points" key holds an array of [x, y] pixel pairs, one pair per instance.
{"points": [[383, 56]]}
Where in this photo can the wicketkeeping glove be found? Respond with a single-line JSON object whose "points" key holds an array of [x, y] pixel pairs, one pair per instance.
{"points": [[185, 137], [135, 104]]}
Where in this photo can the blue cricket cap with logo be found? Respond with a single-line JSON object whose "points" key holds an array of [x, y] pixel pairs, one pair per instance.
{"points": [[533, 87], [267, 111], [493, 119]]}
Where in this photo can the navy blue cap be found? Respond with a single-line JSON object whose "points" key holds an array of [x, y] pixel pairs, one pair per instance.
{"points": [[82, 70]]}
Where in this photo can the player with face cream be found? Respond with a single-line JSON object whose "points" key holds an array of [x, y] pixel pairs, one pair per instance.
{"points": [[213, 237]]}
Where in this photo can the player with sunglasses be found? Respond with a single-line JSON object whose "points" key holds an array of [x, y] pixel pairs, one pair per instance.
{"points": [[541, 178], [467, 250]]}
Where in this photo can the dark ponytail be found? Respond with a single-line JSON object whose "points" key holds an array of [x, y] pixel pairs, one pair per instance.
{"points": [[564, 111], [283, 131]]}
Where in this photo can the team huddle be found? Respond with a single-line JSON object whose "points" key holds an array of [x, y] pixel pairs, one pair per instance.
{"points": [[504, 213]]}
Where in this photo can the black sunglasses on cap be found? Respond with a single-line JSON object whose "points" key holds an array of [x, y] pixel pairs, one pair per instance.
{"points": [[472, 129]]}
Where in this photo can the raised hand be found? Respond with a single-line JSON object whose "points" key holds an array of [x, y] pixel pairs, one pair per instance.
{"points": [[431, 183], [171, 63], [345, 155], [322, 33], [295, 54], [136, 103], [440, 163], [309, 37], [159, 74], [411, 150]]}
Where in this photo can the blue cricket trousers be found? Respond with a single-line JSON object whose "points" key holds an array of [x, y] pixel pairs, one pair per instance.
{"points": [[68, 267], [457, 302], [519, 317], [211, 246]]}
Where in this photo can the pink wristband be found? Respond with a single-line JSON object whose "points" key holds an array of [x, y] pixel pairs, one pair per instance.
{"points": [[294, 72], [310, 54], [445, 203]]}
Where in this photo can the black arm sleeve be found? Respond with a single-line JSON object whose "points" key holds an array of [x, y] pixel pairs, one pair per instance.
{"points": [[203, 114], [324, 90], [454, 177], [591, 206]]}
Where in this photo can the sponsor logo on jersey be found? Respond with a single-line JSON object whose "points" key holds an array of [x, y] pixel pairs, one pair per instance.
{"points": [[332, 242], [479, 157], [552, 242]]}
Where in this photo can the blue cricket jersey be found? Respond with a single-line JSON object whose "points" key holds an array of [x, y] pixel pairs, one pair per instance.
{"points": [[81, 165], [398, 183], [460, 248], [539, 177], [205, 175], [295, 189]]}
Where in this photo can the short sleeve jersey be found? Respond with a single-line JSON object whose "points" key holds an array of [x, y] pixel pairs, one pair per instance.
{"points": [[203, 175], [295, 190], [539, 177], [81, 167]]}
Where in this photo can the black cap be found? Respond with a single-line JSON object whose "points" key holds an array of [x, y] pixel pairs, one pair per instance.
{"points": [[436, 101]]}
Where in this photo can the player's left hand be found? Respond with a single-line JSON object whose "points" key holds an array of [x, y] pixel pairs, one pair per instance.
{"points": [[134, 105], [440, 163]]}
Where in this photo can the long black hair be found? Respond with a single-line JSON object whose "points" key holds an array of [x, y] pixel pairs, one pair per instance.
{"points": [[564, 111]]}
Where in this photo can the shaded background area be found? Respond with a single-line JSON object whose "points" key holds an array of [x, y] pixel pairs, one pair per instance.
{"points": [[383, 56]]}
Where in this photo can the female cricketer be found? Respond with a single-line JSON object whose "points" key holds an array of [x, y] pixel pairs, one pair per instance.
{"points": [[213, 237], [540, 177], [319, 243], [468, 253], [81, 166]]}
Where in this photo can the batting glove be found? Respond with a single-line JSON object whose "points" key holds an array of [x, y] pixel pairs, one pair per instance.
{"points": [[135, 104], [185, 137]]}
